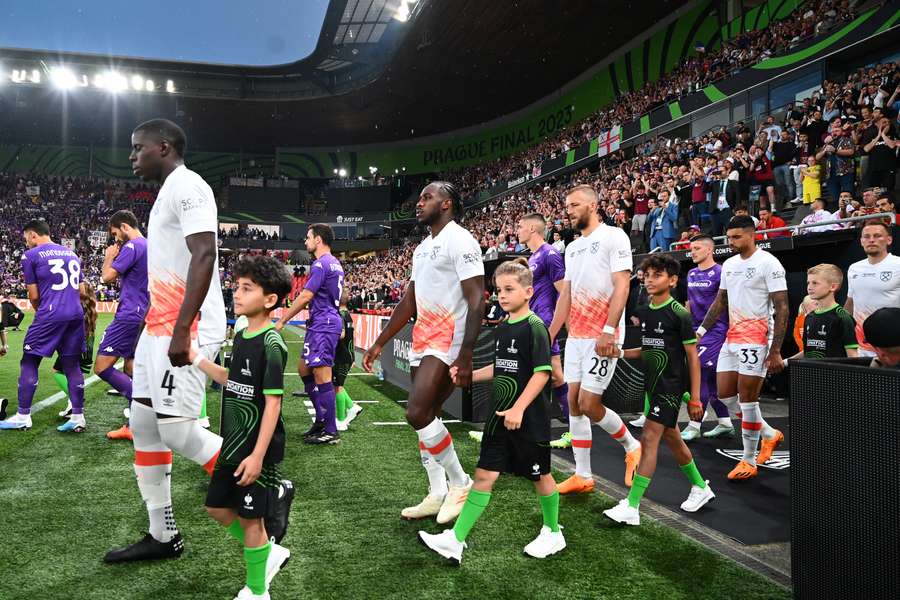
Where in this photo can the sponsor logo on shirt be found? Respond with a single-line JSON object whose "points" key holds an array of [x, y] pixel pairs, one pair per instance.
{"points": [[242, 390], [470, 258], [191, 203], [699, 284], [507, 364], [659, 327]]}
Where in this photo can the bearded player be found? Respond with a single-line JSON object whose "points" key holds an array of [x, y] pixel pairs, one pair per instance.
{"points": [[126, 260], [446, 295], [592, 304], [753, 290]]}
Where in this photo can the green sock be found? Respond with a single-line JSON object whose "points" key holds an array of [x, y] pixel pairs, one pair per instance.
{"points": [[341, 403], [550, 508], [646, 403], [638, 487], [690, 471], [203, 406], [471, 511], [256, 558], [348, 399], [62, 382], [236, 531]]}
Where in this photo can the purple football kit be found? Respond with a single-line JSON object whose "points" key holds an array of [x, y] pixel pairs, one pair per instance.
{"points": [[702, 288], [58, 324], [323, 332], [323, 326], [547, 267], [120, 338]]}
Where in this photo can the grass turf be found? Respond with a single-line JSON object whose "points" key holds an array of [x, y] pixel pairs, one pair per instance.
{"points": [[67, 499]]}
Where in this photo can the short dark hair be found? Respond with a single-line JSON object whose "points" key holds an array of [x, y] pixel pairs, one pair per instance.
{"points": [[166, 130], [266, 272], [39, 226], [661, 263], [449, 190], [875, 223], [741, 222], [324, 231], [123, 217]]}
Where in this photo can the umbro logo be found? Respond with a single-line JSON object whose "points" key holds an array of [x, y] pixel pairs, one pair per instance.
{"points": [[781, 459]]}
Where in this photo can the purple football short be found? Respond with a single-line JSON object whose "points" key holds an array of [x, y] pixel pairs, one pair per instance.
{"points": [[120, 338], [66, 338], [319, 348], [554, 348], [708, 352]]}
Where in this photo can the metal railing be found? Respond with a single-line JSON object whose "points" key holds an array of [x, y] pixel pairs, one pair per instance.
{"points": [[795, 228]]}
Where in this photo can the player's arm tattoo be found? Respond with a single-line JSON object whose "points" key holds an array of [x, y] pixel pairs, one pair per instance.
{"points": [[780, 301], [719, 305]]}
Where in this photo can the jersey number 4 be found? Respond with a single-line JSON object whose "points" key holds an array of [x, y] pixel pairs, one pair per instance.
{"points": [[168, 382]]}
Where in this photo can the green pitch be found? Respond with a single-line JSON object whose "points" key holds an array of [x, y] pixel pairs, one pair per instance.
{"points": [[67, 499]]}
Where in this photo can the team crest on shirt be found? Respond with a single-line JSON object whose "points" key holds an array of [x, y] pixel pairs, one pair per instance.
{"points": [[434, 252], [512, 347], [886, 275], [594, 247], [751, 271], [822, 330]]}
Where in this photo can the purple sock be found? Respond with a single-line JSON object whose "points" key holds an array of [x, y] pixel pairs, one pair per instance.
{"points": [[709, 393], [329, 408], [118, 380], [28, 380], [72, 370], [561, 394]]}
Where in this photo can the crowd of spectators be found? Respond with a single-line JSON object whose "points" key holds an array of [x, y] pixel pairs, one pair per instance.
{"points": [[76, 209], [812, 18]]}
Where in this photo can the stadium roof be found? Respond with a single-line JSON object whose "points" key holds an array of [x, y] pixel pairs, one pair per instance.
{"points": [[454, 64]]}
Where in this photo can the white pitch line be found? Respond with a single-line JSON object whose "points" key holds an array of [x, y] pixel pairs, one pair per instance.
{"points": [[365, 401], [51, 400], [405, 423], [361, 375]]}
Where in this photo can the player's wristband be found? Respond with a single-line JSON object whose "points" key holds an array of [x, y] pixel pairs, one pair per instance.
{"points": [[197, 360], [695, 403], [701, 331], [609, 329], [785, 362]]}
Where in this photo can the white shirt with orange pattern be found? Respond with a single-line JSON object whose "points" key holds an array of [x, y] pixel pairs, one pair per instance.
{"points": [[440, 264], [748, 284], [590, 262], [872, 286], [184, 206]]}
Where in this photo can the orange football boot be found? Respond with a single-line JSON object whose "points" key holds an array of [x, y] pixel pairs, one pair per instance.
{"points": [[576, 485]]}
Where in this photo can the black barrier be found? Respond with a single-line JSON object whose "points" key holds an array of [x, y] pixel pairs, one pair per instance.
{"points": [[395, 366], [845, 492]]}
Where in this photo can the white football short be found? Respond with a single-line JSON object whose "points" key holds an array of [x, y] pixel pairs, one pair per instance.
{"points": [[175, 391], [583, 366]]}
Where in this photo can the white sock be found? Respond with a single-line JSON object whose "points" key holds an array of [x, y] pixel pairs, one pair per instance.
{"points": [[767, 430], [750, 426], [580, 427], [612, 424], [694, 425], [731, 402], [437, 476], [153, 468], [439, 444], [725, 422]]}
